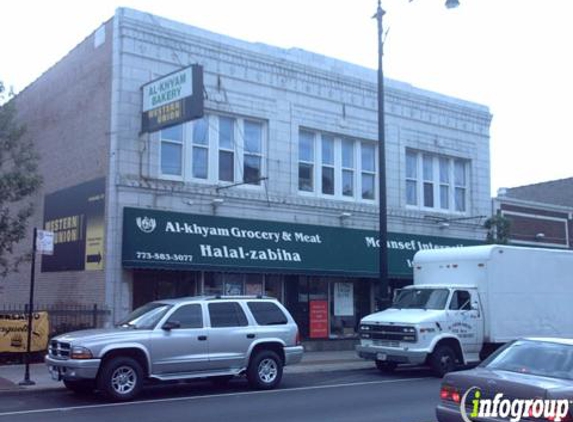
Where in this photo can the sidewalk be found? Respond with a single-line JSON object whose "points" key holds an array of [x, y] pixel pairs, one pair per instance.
{"points": [[11, 375]]}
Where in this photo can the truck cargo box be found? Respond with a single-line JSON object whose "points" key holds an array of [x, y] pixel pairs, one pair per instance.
{"points": [[524, 291]]}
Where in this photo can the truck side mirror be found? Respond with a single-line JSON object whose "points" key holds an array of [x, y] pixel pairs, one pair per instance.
{"points": [[475, 306]]}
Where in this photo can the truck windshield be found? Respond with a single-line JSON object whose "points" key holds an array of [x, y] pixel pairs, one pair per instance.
{"points": [[145, 317], [421, 299]]}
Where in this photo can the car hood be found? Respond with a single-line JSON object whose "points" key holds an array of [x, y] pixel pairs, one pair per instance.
{"points": [[511, 384], [98, 334], [404, 316]]}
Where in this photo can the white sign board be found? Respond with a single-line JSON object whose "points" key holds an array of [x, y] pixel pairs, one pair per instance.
{"points": [[45, 242], [172, 87], [343, 299]]}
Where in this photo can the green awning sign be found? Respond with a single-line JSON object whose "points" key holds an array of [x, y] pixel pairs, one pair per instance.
{"points": [[170, 240]]}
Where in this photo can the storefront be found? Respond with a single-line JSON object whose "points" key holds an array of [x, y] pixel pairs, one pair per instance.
{"points": [[326, 276]]}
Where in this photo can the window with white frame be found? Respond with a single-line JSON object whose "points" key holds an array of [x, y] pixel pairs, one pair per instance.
{"points": [[214, 148], [172, 151], [333, 166], [200, 140], [327, 147], [226, 149], [253, 152], [436, 181], [460, 185], [306, 161], [348, 166], [368, 164]]}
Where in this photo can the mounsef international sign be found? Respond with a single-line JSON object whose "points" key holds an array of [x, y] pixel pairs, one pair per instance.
{"points": [[173, 99], [170, 240]]}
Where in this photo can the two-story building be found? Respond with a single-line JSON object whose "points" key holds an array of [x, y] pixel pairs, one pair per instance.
{"points": [[177, 162]]}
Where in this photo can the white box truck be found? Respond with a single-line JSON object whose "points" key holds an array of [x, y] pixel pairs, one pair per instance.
{"points": [[465, 302]]}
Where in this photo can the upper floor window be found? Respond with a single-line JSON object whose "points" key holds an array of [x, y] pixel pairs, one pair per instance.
{"points": [[436, 182], [368, 164], [332, 166], [214, 148], [253, 152], [200, 158], [306, 161], [172, 151]]}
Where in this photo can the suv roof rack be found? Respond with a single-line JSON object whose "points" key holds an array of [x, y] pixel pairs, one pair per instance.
{"points": [[235, 297]]}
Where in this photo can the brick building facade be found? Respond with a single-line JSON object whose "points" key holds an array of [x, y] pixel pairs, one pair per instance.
{"points": [[540, 214]]}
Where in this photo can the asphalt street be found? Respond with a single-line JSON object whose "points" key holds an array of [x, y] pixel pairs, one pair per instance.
{"points": [[357, 395]]}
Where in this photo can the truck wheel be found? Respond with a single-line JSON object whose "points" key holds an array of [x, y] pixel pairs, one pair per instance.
{"points": [[386, 367], [442, 360], [120, 379], [80, 386], [265, 370]]}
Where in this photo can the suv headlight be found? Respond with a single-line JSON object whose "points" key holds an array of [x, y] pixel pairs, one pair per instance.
{"points": [[79, 352]]}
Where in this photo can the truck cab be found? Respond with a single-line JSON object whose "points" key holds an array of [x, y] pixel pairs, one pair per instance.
{"points": [[439, 325]]}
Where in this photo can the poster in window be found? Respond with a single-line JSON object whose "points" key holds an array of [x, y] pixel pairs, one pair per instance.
{"points": [[318, 319], [254, 289], [343, 299], [233, 288]]}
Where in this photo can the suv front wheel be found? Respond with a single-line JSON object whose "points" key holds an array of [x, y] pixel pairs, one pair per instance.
{"points": [[120, 379], [265, 370]]}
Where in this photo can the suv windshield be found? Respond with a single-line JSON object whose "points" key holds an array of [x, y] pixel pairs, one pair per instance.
{"points": [[535, 357], [145, 317], [421, 299]]}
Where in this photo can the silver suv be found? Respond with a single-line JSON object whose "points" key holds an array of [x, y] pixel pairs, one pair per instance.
{"points": [[176, 339]]}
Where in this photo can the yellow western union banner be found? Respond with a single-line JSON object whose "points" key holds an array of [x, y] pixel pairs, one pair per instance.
{"points": [[14, 332]]}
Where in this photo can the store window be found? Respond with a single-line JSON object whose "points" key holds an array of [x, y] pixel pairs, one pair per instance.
{"points": [[150, 285], [327, 307], [344, 168], [254, 284], [349, 302], [436, 182], [233, 284], [274, 286]]}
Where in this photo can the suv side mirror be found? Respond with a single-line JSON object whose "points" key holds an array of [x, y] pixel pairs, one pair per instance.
{"points": [[170, 325]]}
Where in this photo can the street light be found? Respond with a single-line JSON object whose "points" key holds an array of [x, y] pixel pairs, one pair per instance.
{"points": [[383, 212]]}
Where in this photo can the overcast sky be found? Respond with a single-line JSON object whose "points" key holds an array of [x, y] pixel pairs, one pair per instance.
{"points": [[513, 56]]}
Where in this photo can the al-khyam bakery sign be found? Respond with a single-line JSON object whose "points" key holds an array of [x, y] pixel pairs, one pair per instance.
{"points": [[170, 240]]}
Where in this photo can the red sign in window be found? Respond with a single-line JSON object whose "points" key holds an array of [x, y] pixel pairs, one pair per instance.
{"points": [[318, 319]]}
